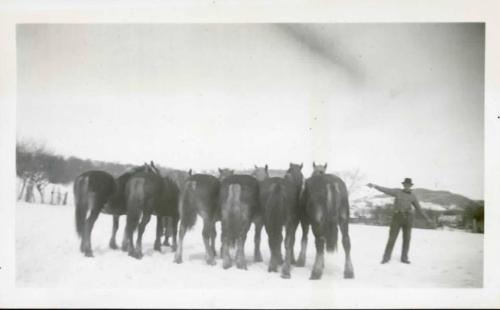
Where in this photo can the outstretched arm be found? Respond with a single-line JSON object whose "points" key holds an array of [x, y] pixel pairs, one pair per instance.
{"points": [[417, 206], [385, 190]]}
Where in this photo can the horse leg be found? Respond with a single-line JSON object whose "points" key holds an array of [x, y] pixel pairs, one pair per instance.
{"points": [[346, 243], [241, 262], [212, 240], [285, 270], [174, 223], [293, 231], [166, 224], [125, 242], [213, 236], [159, 232], [273, 248], [89, 224], [207, 232], [319, 263], [301, 261], [226, 258], [258, 230], [116, 223], [142, 227], [132, 222], [178, 252]]}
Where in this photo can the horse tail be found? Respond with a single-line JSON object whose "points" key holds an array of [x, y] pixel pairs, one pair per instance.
{"points": [[331, 219], [187, 205], [274, 208], [234, 209], [135, 201], [80, 192]]}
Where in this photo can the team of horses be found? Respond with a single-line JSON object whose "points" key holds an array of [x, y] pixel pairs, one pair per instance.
{"points": [[236, 200]]}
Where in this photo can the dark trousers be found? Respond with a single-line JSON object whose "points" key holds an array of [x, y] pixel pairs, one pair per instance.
{"points": [[402, 221]]}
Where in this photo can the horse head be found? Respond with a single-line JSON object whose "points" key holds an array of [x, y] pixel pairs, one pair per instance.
{"points": [[224, 173], [295, 173], [319, 169], [260, 173]]}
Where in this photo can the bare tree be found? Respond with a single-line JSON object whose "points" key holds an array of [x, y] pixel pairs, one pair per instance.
{"points": [[353, 179], [31, 161]]}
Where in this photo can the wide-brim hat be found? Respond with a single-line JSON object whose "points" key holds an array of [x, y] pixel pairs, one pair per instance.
{"points": [[407, 181]]}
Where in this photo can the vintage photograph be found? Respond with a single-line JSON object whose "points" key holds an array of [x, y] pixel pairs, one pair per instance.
{"points": [[250, 155]]}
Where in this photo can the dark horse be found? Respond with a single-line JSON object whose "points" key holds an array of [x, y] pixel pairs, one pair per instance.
{"points": [[143, 197], [239, 207], [168, 210], [327, 206], [91, 189], [199, 196], [279, 199], [116, 204], [169, 229]]}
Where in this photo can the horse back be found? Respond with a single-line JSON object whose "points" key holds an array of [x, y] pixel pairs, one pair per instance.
{"points": [[144, 190], [96, 182], [202, 188], [169, 198], [249, 189], [325, 194]]}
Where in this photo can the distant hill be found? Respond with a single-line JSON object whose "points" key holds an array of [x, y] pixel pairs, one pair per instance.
{"points": [[429, 199], [446, 199]]}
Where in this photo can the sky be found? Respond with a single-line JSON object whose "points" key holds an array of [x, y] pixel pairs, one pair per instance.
{"points": [[392, 100]]}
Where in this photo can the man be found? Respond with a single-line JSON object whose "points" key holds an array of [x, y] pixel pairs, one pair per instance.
{"points": [[402, 217]]}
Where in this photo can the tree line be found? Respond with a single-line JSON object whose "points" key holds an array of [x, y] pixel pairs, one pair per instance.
{"points": [[37, 167]]}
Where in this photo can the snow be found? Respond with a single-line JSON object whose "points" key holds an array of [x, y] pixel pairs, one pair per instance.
{"points": [[47, 255]]}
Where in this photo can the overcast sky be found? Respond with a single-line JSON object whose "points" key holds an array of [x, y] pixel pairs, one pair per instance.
{"points": [[394, 100]]}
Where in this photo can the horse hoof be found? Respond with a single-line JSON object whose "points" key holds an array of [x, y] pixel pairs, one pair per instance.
{"points": [[285, 275], [211, 261], [226, 265], [315, 275], [173, 248], [135, 255], [113, 246], [272, 269], [348, 275], [89, 254], [242, 267], [157, 248], [178, 260]]}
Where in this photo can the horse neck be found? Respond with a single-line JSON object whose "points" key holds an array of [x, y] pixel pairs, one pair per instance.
{"points": [[296, 179]]}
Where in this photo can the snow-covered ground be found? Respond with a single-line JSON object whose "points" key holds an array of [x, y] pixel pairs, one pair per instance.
{"points": [[47, 256]]}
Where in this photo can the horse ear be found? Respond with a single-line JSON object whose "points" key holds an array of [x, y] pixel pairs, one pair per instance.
{"points": [[220, 171], [326, 164], [255, 166], [290, 165], [314, 165], [190, 172], [266, 167], [301, 165], [154, 167]]}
